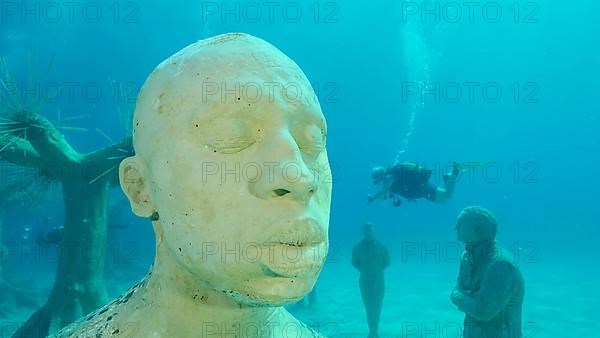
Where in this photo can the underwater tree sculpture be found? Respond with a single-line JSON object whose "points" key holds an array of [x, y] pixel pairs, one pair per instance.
{"points": [[31, 141], [86, 179]]}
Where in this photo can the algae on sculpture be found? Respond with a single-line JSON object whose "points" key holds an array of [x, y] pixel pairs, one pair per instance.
{"points": [[218, 172]]}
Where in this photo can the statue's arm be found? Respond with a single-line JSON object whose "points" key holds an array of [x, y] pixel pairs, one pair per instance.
{"points": [[355, 258], [493, 295], [386, 257], [460, 289], [464, 273]]}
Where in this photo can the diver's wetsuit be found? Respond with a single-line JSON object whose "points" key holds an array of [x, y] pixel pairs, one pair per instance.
{"points": [[411, 182]]}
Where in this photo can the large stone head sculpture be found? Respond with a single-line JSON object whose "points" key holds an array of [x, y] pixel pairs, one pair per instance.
{"points": [[231, 167]]}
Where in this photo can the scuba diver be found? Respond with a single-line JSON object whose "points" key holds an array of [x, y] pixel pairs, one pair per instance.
{"points": [[411, 181]]}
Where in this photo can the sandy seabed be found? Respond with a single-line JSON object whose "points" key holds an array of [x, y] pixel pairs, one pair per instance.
{"points": [[562, 299]]}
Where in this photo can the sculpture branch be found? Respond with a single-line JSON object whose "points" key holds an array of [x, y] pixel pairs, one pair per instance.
{"points": [[18, 151], [108, 160], [43, 137]]}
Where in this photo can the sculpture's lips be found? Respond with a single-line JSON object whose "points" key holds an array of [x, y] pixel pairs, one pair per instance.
{"points": [[294, 262], [298, 250], [301, 232]]}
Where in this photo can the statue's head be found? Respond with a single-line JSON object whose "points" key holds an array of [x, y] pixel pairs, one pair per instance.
{"points": [[476, 225], [369, 230], [231, 166]]}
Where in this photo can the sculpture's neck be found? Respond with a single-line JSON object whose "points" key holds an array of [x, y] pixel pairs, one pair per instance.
{"points": [[183, 299]]}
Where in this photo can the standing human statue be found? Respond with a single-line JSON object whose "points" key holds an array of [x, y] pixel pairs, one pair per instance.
{"points": [[490, 288], [370, 257]]}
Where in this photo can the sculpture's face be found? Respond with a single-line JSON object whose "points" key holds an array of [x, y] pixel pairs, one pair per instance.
{"points": [[466, 232], [475, 226], [470, 231], [242, 186]]}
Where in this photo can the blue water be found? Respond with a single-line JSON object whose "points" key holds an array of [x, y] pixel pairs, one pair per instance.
{"points": [[541, 133]]}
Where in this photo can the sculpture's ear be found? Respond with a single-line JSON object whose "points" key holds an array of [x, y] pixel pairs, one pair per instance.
{"points": [[134, 182]]}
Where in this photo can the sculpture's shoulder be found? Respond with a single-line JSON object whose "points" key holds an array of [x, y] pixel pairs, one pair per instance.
{"points": [[112, 320], [506, 263], [309, 332], [315, 334], [502, 257], [380, 246], [286, 323]]}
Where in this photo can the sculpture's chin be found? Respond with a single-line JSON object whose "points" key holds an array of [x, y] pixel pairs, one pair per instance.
{"points": [[257, 301], [272, 292]]}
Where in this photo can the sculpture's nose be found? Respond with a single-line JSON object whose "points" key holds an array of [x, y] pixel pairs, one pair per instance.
{"points": [[285, 175], [297, 184]]}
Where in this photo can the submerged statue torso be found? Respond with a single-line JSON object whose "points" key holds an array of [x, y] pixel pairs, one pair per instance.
{"points": [[507, 322]]}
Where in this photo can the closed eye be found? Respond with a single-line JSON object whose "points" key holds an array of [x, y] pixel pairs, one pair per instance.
{"points": [[312, 149], [230, 146], [314, 143]]}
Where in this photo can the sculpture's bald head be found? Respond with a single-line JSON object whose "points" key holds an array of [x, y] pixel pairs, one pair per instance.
{"points": [[231, 73], [230, 153], [475, 225]]}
